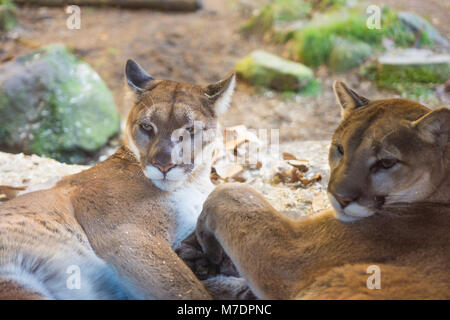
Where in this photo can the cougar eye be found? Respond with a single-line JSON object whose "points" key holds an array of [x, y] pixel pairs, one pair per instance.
{"points": [[190, 130], [387, 163], [340, 149], [146, 127]]}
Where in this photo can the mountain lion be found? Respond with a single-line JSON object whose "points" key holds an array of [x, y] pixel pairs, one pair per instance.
{"points": [[389, 234], [116, 225]]}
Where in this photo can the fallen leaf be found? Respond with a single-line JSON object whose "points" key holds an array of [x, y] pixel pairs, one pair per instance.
{"points": [[300, 165], [228, 170], [289, 156], [10, 192], [306, 182]]}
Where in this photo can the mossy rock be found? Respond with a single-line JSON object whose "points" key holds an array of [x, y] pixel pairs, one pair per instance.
{"points": [[348, 54], [414, 65], [264, 69], [413, 73], [314, 42], [418, 24], [8, 19], [54, 105]]}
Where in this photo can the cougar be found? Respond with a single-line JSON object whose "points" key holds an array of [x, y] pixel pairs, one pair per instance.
{"points": [[387, 236], [116, 225]]}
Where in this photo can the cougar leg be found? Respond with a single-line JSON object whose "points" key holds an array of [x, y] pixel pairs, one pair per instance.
{"points": [[241, 222], [149, 268], [12, 290]]}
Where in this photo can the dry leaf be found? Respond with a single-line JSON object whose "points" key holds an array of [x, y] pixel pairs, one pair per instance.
{"points": [[289, 156], [228, 170], [306, 182], [10, 192], [300, 165], [239, 178]]}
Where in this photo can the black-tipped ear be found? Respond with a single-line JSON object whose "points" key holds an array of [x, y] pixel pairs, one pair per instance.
{"points": [[220, 93], [434, 127], [348, 99], [137, 78]]}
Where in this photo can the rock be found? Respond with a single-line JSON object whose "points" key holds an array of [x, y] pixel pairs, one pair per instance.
{"points": [[313, 43], [418, 24], [7, 15], [413, 65], [347, 54], [54, 105], [415, 74], [264, 69]]}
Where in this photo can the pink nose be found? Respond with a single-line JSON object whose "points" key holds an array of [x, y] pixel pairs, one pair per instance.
{"points": [[164, 169]]}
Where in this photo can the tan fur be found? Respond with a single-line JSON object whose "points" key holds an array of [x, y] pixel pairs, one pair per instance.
{"points": [[327, 256], [111, 220]]}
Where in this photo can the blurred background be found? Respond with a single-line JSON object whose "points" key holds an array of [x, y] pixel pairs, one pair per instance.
{"points": [[61, 86]]}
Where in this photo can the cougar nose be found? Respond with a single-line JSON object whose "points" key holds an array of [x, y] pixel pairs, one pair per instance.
{"points": [[164, 169], [343, 201]]}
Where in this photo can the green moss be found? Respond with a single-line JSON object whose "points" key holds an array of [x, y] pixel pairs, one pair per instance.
{"points": [[391, 76], [313, 88], [410, 81], [8, 14], [314, 42], [282, 11]]}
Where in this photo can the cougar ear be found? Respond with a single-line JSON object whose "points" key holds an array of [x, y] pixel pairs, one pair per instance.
{"points": [[434, 127], [137, 78], [220, 93], [348, 99]]}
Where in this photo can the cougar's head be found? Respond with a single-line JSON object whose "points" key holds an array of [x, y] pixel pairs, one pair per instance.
{"points": [[384, 153], [171, 127]]}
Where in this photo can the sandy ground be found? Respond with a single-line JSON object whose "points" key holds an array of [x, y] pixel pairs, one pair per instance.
{"points": [[199, 47], [293, 201]]}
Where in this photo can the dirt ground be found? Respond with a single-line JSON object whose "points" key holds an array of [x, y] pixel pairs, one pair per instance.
{"points": [[198, 47]]}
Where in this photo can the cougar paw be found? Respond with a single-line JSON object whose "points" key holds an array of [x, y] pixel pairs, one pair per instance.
{"points": [[191, 253]]}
